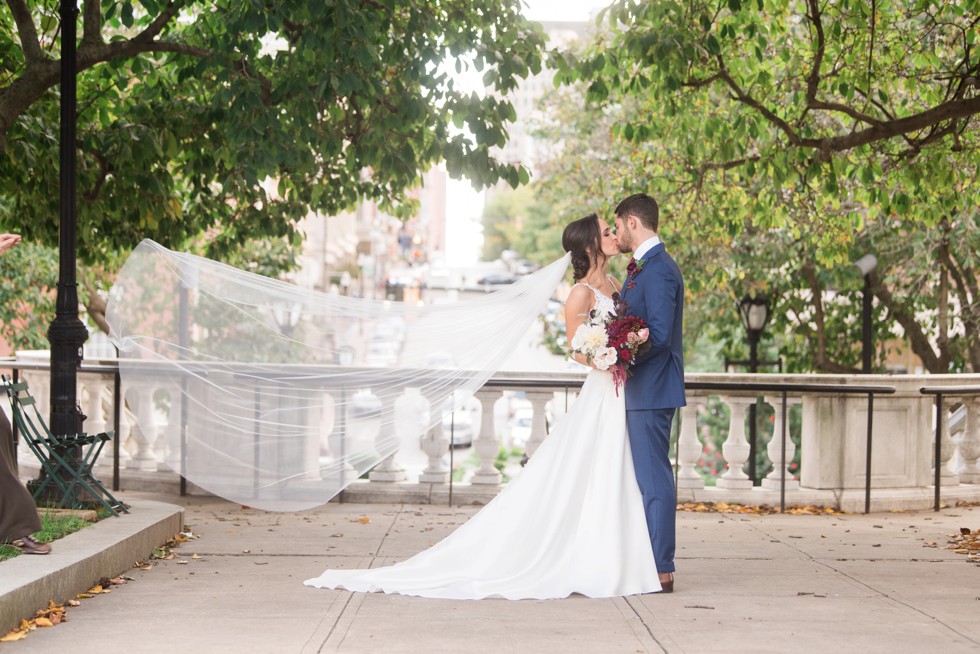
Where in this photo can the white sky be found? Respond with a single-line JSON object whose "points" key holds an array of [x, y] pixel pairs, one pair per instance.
{"points": [[464, 206], [562, 9]]}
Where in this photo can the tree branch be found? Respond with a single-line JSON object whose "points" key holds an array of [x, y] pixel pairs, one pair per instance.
{"points": [[698, 83], [92, 21], [917, 338], [813, 78], [702, 170], [748, 100], [844, 109], [885, 130], [27, 32]]}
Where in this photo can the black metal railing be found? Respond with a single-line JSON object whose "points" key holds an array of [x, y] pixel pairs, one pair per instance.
{"points": [[938, 392], [802, 389], [570, 381]]}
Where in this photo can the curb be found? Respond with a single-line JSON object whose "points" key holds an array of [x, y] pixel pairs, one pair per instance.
{"points": [[77, 561]]}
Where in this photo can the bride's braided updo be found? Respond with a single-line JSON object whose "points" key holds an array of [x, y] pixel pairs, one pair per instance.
{"points": [[583, 239]]}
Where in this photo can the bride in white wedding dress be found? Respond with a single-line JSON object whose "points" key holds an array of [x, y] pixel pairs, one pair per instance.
{"points": [[573, 520]]}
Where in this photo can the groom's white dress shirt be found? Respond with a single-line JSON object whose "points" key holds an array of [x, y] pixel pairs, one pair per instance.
{"points": [[645, 247]]}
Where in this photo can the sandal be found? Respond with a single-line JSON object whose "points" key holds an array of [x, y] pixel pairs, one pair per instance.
{"points": [[30, 546]]}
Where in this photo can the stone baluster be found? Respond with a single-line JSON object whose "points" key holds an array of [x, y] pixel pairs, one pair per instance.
{"points": [[93, 387], [947, 449], [39, 384], [124, 431], [780, 467], [969, 443], [164, 448], [340, 437], [144, 432], [736, 446], [435, 445], [487, 443], [689, 448], [388, 470], [539, 421], [169, 451]]}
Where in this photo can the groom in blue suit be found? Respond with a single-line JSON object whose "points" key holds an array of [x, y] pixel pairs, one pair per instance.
{"points": [[654, 291]]}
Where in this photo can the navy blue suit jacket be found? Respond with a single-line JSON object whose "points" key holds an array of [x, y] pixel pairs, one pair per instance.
{"points": [[657, 296]]}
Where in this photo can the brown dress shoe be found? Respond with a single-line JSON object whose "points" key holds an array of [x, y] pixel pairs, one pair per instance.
{"points": [[30, 546], [668, 583]]}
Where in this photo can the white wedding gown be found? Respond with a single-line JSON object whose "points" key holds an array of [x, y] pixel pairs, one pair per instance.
{"points": [[571, 522]]}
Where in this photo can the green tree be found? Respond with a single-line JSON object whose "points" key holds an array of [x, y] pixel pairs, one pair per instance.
{"points": [[788, 138], [28, 277], [185, 107]]}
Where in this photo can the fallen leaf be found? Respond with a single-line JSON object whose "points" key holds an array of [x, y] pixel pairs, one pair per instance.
{"points": [[364, 520], [43, 622], [84, 596], [73, 603], [13, 635]]}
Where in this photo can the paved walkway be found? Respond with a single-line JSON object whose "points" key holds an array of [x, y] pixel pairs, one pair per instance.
{"points": [[745, 583]]}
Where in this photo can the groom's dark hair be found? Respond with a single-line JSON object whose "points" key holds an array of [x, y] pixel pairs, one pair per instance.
{"points": [[643, 207]]}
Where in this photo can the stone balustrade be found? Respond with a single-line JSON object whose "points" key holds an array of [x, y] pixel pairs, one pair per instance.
{"points": [[827, 468]]}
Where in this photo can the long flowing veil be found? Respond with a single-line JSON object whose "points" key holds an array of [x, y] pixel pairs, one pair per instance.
{"points": [[263, 379]]}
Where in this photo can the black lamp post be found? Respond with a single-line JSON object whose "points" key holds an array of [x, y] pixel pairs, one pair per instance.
{"points": [[866, 265], [755, 312], [67, 333], [287, 315]]}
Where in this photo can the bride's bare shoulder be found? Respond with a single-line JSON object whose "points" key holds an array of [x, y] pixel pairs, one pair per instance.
{"points": [[580, 298]]}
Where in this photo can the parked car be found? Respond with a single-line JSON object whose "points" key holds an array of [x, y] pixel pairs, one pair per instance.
{"points": [[381, 352], [525, 267], [495, 279], [458, 428], [462, 423], [520, 427]]}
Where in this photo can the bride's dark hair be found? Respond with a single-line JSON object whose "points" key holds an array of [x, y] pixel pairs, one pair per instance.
{"points": [[583, 239]]}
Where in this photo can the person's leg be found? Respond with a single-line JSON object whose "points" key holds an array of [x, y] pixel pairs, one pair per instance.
{"points": [[18, 514], [649, 433]]}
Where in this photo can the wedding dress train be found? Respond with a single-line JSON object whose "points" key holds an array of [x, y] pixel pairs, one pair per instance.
{"points": [[571, 522]]}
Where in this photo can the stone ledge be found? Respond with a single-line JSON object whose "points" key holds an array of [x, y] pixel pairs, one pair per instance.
{"points": [[850, 500], [77, 561]]}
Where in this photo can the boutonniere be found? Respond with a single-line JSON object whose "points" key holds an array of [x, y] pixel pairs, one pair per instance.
{"points": [[632, 270]]}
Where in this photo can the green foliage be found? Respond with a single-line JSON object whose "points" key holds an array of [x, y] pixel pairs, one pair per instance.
{"points": [[783, 141], [182, 117], [28, 282]]}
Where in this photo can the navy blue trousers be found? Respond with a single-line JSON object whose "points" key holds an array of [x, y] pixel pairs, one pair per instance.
{"points": [[649, 432]]}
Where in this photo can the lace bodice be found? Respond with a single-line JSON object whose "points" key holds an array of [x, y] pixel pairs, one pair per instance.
{"points": [[603, 303]]}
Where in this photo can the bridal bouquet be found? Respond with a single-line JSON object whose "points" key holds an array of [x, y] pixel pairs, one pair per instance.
{"points": [[612, 342]]}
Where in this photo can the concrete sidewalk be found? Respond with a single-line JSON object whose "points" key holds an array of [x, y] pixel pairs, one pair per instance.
{"points": [[749, 583]]}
